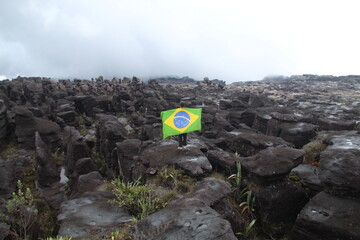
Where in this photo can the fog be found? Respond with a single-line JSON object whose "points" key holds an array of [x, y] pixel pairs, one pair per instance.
{"points": [[232, 40]]}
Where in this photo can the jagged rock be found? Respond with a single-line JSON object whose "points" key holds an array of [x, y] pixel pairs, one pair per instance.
{"points": [[336, 125], [248, 144], [286, 127], [237, 117], [91, 216], [220, 122], [191, 159], [272, 163], [209, 190], [260, 122], [194, 218], [279, 201], [328, 217], [69, 117], [89, 182], [85, 104], [228, 211], [85, 166], [47, 170], [340, 164], [75, 147], [109, 133], [222, 161], [27, 125], [3, 122], [54, 195], [126, 151], [310, 176]]}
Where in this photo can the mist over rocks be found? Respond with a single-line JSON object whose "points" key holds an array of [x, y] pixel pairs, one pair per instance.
{"points": [[112, 128]]}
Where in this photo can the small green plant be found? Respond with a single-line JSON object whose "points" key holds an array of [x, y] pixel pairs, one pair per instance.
{"points": [[10, 149], [248, 204], [59, 238], [21, 211], [140, 200], [170, 176], [236, 178], [246, 233]]}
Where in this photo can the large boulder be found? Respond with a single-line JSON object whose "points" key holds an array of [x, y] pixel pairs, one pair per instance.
{"points": [[85, 104], [191, 159], [336, 124], [91, 216], [126, 151], [110, 132], [309, 175], [192, 221], [279, 201], [340, 164], [328, 217], [287, 128], [248, 144], [272, 163], [190, 217], [247, 117], [222, 161], [27, 125], [47, 169]]}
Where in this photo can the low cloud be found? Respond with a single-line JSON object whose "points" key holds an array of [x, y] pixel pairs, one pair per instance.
{"points": [[229, 40]]}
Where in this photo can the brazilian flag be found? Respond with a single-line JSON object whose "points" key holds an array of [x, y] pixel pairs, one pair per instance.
{"points": [[180, 120]]}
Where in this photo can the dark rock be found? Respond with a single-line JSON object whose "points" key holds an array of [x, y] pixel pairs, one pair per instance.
{"points": [[222, 161], [126, 151], [110, 132], [194, 220], [248, 144], [27, 125], [69, 117], [191, 159], [260, 122], [85, 166], [47, 170], [328, 217], [298, 133], [210, 190], [220, 122], [272, 163], [340, 164], [91, 216], [75, 147], [335, 124], [85, 104], [230, 212], [237, 117], [54, 195], [310, 176], [89, 182], [279, 202]]}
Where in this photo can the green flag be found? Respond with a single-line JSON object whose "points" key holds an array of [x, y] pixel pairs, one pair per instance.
{"points": [[180, 120]]}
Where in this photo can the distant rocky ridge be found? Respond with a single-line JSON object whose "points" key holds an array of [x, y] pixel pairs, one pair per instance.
{"points": [[112, 128]]}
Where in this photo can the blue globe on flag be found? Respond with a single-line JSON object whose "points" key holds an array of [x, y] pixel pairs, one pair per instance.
{"points": [[181, 119]]}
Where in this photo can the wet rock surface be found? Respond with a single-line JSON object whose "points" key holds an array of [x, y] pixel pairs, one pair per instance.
{"points": [[328, 217]]}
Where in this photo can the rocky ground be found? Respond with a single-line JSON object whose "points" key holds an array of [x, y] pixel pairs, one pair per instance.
{"points": [[274, 159]]}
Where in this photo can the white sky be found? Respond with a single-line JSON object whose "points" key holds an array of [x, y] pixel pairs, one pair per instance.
{"points": [[232, 40]]}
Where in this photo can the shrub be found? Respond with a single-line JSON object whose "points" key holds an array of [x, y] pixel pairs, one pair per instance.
{"points": [[139, 200], [21, 211]]}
